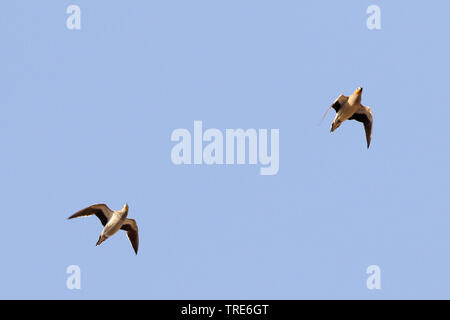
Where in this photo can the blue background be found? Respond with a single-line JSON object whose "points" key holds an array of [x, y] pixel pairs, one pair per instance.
{"points": [[86, 117]]}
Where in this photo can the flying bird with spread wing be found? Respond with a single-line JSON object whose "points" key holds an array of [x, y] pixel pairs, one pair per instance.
{"points": [[112, 221], [350, 108]]}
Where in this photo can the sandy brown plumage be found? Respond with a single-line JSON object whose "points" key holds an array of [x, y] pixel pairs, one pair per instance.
{"points": [[350, 108], [112, 222]]}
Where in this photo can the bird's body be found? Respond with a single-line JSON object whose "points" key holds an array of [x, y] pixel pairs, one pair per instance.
{"points": [[114, 224], [350, 108], [112, 221]]}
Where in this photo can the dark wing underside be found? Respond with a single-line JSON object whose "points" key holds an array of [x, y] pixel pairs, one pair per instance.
{"points": [[336, 106], [100, 210], [364, 118], [131, 228]]}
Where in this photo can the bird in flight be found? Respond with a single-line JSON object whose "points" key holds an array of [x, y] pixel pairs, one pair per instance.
{"points": [[112, 221], [350, 108]]}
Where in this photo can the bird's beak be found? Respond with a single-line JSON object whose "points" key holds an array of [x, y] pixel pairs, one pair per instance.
{"points": [[359, 91]]}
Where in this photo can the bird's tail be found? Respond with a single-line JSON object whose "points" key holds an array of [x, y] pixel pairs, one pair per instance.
{"points": [[335, 125], [101, 239]]}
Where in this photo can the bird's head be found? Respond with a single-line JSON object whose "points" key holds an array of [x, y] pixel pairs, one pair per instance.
{"points": [[358, 91], [125, 208]]}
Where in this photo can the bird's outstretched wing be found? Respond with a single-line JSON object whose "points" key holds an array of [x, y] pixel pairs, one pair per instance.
{"points": [[101, 210], [364, 115], [337, 104], [131, 228]]}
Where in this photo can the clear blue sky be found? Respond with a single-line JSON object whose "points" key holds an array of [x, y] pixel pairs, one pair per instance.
{"points": [[86, 117]]}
